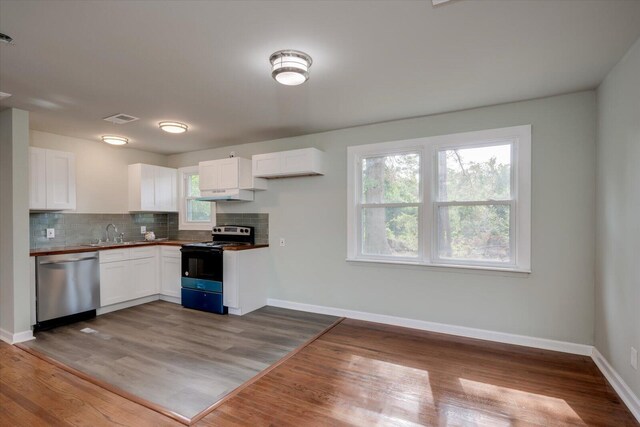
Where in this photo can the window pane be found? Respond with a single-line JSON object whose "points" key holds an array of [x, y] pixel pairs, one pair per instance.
{"points": [[474, 233], [198, 211], [390, 231], [193, 185], [481, 173], [391, 179]]}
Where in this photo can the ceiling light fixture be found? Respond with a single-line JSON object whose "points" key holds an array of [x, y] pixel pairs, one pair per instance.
{"points": [[5, 38], [173, 127], [115, 140], [290, 67]]}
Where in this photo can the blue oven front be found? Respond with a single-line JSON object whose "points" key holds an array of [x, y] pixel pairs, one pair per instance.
{"points": [[202, 286]]}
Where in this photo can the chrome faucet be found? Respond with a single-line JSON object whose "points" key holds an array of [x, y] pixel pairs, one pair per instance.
{"points": [[115, 230]]}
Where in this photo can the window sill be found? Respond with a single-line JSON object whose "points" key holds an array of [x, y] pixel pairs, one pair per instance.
{"points": [[195, 227], [445, 267]]}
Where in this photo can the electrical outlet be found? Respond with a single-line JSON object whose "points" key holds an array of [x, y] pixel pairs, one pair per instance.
{"points": [[634, 358], [143, 229], [282, 242], [51, 233]]}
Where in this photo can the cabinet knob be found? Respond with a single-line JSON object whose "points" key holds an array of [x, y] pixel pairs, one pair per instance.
{"points": [[186, 273]]}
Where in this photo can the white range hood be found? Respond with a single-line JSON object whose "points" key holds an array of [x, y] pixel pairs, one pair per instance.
{"points": [[232, 195]]}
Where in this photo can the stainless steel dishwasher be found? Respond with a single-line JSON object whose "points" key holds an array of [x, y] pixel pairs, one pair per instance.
{"points": [[67, 288]]}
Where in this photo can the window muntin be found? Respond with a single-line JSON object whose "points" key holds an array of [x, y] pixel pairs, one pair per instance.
{"points": [[474, 204], [194, 214], [472, 208], [389, 203]]}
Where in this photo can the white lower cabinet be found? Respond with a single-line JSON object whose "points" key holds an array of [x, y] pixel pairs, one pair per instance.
{"points": [[170, 271], [128, 274], [144, 277], [114, 282], [245, 278]]}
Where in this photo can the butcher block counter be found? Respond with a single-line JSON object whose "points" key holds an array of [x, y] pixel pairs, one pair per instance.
{"points": [[88, 248]]}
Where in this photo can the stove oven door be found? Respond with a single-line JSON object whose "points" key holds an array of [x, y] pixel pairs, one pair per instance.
{"points": [[202, 263]]}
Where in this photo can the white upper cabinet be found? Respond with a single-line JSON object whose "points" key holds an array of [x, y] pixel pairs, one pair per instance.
{"points": [[306, 161], [152, 188], [52, 179], [228, 174]]}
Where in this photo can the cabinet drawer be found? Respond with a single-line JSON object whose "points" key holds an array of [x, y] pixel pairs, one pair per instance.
{"points": [[170, 251], [144, 252], [205, 301], [113, 255], [201, 285]]}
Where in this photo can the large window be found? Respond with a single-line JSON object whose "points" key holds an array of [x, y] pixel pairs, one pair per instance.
{"points": [[456, 200], [194, 214]]}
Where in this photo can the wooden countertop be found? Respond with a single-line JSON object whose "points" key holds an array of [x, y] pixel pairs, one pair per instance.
{"points": [[77, 249]]}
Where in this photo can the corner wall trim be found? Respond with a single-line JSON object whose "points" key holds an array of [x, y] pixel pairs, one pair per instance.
{"points": [[626, 394], [18, 337], [463, 331]]}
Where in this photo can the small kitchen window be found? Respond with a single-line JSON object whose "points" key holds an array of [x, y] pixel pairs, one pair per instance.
{"points": [[194, 214], [461, 200]]}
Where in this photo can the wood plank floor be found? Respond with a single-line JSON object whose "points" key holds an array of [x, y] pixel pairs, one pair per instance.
{"points": [[183, 360], [362, 373], [36, 393], [358, 373]]}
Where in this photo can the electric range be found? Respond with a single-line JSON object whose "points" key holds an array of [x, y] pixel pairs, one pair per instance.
{"points": [[202, 267]]}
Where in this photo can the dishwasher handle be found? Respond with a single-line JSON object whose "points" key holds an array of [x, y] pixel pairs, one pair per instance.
{"points": [[67, 261]]}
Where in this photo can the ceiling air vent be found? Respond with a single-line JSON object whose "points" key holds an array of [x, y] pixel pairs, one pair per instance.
{"points": [[121, 119]]}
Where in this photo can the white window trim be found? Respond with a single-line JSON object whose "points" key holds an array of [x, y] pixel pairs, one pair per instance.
{"points": [[182, 224], [521, 180]]}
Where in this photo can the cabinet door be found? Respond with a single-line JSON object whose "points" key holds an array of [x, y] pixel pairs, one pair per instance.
{"points": [[166, 189], [171, 276], [148, 195], [265, 165], [209, 175], [231, 278], [61, 180], [296, 161], [144, 277], [37, 178], [229, 173], [114, 283]]}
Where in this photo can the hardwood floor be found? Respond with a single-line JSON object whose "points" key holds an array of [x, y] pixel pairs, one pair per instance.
{"points": [[358, 373], [36, 393], [180, 359], [362, 373]]}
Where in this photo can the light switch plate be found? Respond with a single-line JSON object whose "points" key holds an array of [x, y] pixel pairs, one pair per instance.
{"points": [[634, 358], [51, 233], [143, 229]]}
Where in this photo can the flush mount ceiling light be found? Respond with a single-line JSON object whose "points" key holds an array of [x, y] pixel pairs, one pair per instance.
{"points": [[4, 38], [290, 67], [173, 127], [115, 140]]}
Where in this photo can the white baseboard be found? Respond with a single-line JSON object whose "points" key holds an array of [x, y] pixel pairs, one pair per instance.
{"points": [[10, 338], [126, 304], [463, 331], [168, 298], [626, 394]]}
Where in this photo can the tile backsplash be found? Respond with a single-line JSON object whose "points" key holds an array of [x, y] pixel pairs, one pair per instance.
{"points": [[75, 228], [260, 221]]}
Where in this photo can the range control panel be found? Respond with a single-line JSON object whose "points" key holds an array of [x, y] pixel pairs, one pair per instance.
{"points": [[232, 230]]}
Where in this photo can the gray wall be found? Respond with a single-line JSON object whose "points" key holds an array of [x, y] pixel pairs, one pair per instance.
{"points": [[101, 170], [14, 222], [618, 217], [555, 301]]}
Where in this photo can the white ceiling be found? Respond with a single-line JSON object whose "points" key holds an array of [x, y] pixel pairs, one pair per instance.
{"points": [[206, 63]]}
